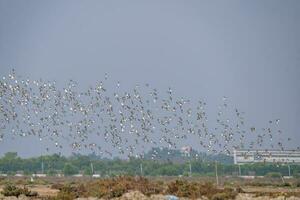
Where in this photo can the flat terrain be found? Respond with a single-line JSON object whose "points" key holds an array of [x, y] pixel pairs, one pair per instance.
{"points": [[157, 188]]}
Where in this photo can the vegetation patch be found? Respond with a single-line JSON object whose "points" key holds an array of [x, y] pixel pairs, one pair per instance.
{"points": [[11, 190], [277, 194], [193, 190]]}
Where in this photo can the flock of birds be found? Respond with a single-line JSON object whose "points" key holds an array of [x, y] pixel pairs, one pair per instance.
{"points": [[108, 121]]}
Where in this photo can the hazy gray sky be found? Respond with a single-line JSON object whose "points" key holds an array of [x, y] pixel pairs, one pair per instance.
{"points": [[246, 50]]}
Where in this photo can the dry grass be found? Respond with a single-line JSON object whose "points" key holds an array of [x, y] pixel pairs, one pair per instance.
{"points": [[12, 190], [116, 187], [193, 190], [70, 188]]}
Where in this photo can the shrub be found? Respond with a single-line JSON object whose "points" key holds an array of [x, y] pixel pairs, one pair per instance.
{"points": [[65, 195], [69, 192], [116, 187], [296, 175], [183, 188], [11, 190], [57, 186], [223, 196], [239, 190], [273, 175], [286, 184]]}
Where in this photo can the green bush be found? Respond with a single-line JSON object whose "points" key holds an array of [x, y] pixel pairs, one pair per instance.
{"points": [[70, 169], [273, 175], [296, 174]]}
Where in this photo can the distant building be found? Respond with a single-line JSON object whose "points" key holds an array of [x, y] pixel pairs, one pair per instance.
{"points": [[19, 174], [96, 176], [78, 175], [59, 175], [267, 156], [186, 150], [40, 175]]}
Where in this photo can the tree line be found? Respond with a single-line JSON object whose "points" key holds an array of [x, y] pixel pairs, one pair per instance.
{"points": [[167, 164]]}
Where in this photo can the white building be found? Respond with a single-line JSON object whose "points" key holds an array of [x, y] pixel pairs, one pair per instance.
{"points": [[186, 150], [39, 175], [269, 156], [96, 176], [19, 175], [78, 175]]}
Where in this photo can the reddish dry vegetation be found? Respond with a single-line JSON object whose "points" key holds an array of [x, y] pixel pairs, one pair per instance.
{"points": [[11, 190], [109, 188], [116, 187], [195, 190]]}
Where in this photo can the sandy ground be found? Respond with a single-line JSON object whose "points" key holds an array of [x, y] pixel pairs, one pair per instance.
{"points": [[44, 190]]}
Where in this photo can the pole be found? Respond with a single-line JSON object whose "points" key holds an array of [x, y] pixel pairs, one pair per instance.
{"points": [[216, 168], [289, 167], [92, 168], [282, 178], [190, 165], [240, 171], [141, 167], [42, 166]]}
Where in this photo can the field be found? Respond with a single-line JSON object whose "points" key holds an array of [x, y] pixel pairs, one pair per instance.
{"points": [[150, 188]]}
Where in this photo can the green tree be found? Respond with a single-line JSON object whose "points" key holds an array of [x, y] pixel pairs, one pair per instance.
{"points": [[87, 171], [70, 169], [10, 155]]}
